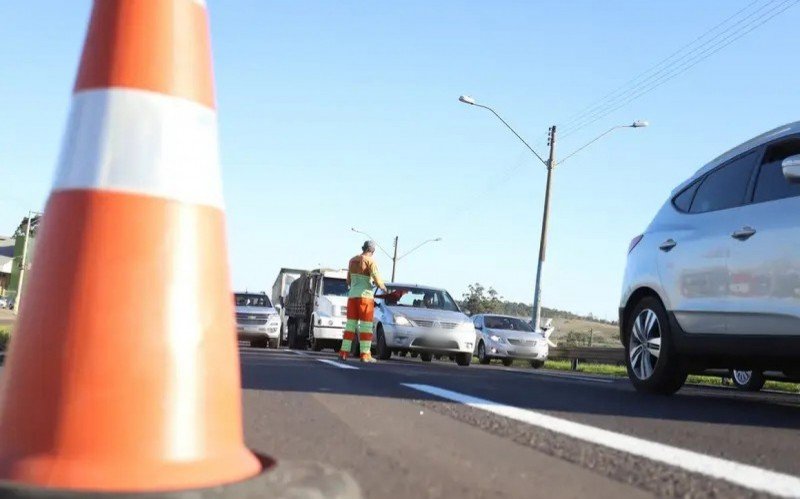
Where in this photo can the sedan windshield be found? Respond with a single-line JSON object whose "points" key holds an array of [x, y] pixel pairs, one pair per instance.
{"points": [[507, 323], [251, 300], [421, 298]]}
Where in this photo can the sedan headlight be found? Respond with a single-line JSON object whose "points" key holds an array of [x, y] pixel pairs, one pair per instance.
{"points": [[402, 320], [497, 339]]}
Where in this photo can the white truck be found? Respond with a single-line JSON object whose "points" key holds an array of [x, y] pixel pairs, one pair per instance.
{"points": [[280, 289], [316, 309]]}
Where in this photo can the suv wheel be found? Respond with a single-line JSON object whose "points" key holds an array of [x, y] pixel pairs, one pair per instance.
{"points": [[425, 356], [748, 381], [652, 365], [482, 357], [384, 353]]}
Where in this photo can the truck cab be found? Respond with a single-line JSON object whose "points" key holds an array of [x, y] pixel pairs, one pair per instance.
{"points": [[316, 309]]}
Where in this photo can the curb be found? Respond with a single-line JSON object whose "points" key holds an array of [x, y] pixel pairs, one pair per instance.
{"points": [[285, 480]]}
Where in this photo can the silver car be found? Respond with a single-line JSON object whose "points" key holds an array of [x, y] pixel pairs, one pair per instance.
{"points": [[508, 338], [256, 320], [424, 320], [714, 281]]}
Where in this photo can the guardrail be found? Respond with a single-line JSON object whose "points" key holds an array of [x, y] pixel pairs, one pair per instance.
{"points": [[600, 355]]}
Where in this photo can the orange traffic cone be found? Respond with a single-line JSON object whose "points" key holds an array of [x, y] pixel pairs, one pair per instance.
{"points": [[123, 372]]}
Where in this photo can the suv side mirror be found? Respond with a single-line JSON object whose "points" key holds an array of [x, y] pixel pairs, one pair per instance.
{"points": [[791, 168]]}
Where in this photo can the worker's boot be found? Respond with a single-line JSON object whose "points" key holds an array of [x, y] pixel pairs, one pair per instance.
{"points": [[367, 357], [343, 355]]}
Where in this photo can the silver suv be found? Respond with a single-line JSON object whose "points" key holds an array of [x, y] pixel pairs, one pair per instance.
{"points": [[714, 281]]}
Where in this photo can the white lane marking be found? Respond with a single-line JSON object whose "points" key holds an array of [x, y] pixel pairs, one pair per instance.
{"points": [[298, 352], [747, 476], [335, 363], [570, 376], [140, 142]]}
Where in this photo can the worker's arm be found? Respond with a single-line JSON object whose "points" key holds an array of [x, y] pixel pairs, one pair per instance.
{"points": [[373, 272]]}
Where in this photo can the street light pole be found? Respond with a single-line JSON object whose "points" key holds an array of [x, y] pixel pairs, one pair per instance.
{"points": [[550, 164], [537, 293], [394, 258]]}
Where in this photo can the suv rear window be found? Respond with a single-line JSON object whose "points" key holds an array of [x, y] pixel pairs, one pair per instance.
{"points": [[725, 187], [683, 201]]}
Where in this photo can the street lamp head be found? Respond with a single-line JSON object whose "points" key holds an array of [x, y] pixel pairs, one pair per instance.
{"points": [[640, 124], [437, 239], [466, 99]]}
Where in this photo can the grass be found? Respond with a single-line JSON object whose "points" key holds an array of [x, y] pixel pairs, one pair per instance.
{"points": [[621, 372], [5, 334]]}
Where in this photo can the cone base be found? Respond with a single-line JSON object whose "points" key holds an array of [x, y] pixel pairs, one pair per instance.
{"points": [[295, 480]]}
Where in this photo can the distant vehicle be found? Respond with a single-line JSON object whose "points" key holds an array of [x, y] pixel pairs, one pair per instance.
{"points": [[256, 320], [714, 281], [424, 320], [4, 303], [279, 291], [316, 310], [507, 338], [753, 381]]}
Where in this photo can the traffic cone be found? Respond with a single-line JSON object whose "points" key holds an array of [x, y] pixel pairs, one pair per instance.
{"points": [[123, 373]]}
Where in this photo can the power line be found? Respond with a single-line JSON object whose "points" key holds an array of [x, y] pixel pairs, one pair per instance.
{"points": [[684, 66], [622, 88]]}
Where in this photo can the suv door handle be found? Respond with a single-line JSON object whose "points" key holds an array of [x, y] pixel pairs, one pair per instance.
{"points": [[744, 233], [667, 245]]}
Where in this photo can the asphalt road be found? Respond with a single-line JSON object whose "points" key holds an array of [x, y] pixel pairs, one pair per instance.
{"points": [[503, 432], [404, 428]]}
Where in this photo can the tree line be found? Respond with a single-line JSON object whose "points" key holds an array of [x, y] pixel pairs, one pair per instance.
{"points": [[482, 300]]}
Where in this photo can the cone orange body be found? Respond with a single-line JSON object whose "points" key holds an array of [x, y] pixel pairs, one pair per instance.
{"points": [[123, 371]]}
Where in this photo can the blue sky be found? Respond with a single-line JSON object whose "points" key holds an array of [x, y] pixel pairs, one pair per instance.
{"points": [[317, 97]]}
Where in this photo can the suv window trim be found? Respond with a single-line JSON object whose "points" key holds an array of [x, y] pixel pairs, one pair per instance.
{"points": [[749, 192], [757, 173]]}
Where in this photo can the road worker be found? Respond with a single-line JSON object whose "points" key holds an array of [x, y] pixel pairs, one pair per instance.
{"points": [[362, 272]]}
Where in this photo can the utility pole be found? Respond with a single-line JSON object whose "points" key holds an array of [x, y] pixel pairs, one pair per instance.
{"points": [[394, 258], [551, 164], [18, 297]]}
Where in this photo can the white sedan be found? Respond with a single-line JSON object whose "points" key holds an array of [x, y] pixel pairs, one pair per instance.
{"points": [[508, 338], [424, 320]]}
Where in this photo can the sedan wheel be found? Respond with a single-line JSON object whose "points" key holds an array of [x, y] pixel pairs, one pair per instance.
{"points": [[482, 357]]}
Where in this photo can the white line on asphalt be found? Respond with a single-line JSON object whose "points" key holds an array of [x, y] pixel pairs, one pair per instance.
{"points": [[747, 476], [340, 365], [569, 376]]}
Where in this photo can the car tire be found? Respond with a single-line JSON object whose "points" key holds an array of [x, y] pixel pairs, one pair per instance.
{"points": [[273, 344], [402, 353], [537, 364], [508, 362], [414, 354], [748, 381], [482, 357], [464, 358], [650, 358], [425, 356], [384, 353]]}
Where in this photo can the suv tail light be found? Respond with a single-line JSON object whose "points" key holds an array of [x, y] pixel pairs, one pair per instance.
{"points": [[634, 242]]}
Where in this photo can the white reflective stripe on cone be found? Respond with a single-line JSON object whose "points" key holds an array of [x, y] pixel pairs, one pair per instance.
{"points": [[141, 142]]}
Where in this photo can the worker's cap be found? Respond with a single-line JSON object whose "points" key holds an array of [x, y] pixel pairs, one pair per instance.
{"points": [[369, 246]]}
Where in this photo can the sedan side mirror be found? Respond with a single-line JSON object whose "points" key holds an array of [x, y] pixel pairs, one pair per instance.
{"points": [[791, 168]]}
